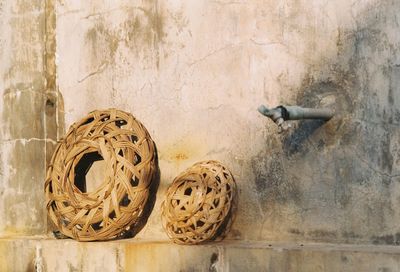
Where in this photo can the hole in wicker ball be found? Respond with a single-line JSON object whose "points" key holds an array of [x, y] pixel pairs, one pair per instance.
{"points": [[134, 181], [137, 159], [120, 123], [96, 226], [125, 201], [89, 120], [134, 138], [188, 191], [112, 215], [89, 172]]}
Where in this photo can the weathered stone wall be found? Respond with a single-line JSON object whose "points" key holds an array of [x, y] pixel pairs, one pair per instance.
{"points": [[194, 72], [28, 103]]}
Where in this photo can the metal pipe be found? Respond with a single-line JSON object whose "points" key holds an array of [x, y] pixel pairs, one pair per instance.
{"points": [[298, 113], [283, 113]]}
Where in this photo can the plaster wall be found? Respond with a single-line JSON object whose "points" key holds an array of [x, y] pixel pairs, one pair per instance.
{"points": [[194, 72]]}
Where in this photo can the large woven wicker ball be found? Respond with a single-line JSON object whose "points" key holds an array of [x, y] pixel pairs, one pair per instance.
{"points": [[199, 203], [129, 164]]}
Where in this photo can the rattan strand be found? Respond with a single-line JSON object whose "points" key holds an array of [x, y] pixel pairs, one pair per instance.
{"points": [[199, 204], [117, 204]]}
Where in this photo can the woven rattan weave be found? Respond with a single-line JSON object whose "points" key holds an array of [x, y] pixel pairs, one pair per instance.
{"points": [[117, 204], [199, 203]]}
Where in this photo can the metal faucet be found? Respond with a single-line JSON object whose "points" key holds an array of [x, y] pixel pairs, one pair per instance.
{"points": [[282, 113]]}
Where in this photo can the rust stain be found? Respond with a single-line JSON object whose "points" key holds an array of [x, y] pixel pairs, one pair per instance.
{"points": [[183, 150], [181, 157]]}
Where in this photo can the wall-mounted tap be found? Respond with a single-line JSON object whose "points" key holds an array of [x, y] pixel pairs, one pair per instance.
{"points": [[282, 113]]}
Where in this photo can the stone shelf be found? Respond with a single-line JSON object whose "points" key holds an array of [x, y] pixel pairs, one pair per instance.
{"points": [[19, 254]]}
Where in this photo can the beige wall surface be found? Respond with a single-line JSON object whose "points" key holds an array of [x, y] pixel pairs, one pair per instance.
{"points": [[194, 72]]}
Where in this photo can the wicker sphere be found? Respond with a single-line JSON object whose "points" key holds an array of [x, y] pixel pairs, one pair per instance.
{"points": [[199, 203], [117, 204]]}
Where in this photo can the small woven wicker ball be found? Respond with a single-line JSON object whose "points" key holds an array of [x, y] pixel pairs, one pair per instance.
{"points": [[199, 203], [118, 202]]}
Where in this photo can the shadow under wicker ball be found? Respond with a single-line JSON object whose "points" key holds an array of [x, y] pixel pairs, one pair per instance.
{"points": [[199, 204], [117, 203]]}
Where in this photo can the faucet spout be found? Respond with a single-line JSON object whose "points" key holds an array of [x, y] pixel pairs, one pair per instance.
{"points": [[284, 113]]}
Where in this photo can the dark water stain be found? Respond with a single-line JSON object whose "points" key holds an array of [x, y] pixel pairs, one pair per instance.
{"points": [[142, 31], [296, 231], [344, 258], [390, 239], [349, 130], [328, 93], [344, 175], [323, 234], [332, 92], [271, 182], [235, 234], [386, 154], [213, 262], [351, 235], [394, 88], [296, 141], [390, 96]]}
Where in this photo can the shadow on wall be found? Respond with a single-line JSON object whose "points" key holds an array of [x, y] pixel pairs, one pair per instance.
{"points": [[55, 129], [325, 94], [340, 177]]}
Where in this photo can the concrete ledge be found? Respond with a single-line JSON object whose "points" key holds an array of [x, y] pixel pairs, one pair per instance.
{"points": [[19, 254]]}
